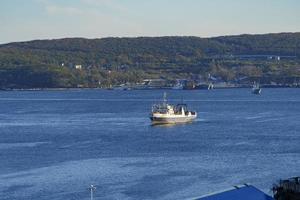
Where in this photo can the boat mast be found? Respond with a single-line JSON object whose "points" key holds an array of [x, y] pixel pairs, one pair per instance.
{"points": [[165, 98]]}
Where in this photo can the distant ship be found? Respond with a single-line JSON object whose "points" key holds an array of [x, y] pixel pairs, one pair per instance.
{"points": [[256, 89], [178, 86], [165, 113], [199, 86], [208, 86]]}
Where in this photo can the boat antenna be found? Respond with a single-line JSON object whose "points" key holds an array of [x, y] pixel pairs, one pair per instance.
{"points": [[92, 189]]}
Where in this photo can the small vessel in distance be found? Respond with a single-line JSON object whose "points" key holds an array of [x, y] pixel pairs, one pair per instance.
{"points": [[256, 89], [165, 113]]}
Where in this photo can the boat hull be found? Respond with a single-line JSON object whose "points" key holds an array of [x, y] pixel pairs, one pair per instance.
{"points": [[256, 91], [172, 120]]}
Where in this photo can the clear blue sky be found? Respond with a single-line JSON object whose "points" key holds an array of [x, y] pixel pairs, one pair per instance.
{"points": [[22, 20]]}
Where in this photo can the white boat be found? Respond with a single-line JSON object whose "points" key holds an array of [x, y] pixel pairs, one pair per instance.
{"points": [[165, 113], [256, 89]]}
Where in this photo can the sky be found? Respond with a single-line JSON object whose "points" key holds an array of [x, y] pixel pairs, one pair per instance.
{"points": [[22, 20]]}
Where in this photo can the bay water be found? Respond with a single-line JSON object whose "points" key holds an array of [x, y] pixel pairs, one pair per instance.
{"points": [[55, 144]]}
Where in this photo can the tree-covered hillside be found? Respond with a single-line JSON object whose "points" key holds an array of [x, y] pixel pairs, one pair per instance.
{"points": [[110, 61], [284, 44]]}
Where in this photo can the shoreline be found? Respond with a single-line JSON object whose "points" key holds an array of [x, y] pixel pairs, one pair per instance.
{"points": [[159, 88]]}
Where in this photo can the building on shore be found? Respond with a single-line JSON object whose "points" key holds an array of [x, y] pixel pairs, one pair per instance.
{"points": [[78, 67]]}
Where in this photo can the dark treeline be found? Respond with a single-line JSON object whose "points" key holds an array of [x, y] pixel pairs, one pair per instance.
{"points": [[110, 61]]}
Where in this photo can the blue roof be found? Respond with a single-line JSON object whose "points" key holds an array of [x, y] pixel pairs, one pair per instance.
{"points": [[246, 192]]}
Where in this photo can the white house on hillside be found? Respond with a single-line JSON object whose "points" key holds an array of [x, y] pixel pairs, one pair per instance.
{"points": [[78, 66]]}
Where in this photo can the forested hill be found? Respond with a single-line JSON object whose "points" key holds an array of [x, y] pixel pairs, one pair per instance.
{"points": [[269, 44], [51, 63]]}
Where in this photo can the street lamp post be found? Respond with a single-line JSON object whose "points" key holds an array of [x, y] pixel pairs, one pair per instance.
{"points": [[92, 189]]}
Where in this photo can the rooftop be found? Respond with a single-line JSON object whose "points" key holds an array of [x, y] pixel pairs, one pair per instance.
{"points": [[244, 192]]}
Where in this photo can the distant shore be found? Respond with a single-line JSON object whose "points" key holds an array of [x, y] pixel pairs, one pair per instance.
{"points": [[115, 88]]}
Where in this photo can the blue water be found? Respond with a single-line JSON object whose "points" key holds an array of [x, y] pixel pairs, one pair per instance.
{"points": [[54, 144]]}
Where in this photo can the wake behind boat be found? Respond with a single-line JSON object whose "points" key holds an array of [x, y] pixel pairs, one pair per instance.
{"points": [[165, 113]]}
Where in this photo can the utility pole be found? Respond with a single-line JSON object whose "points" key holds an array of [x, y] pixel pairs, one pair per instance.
{"points": [[92, 189]]}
